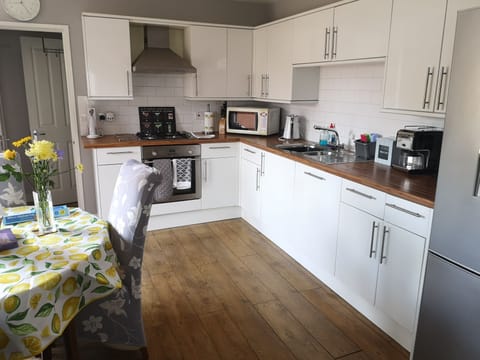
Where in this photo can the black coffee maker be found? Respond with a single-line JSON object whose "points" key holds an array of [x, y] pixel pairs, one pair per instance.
{"points": [[418, 149]]}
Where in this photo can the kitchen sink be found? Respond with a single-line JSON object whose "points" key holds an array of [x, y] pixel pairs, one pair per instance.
{"points": [[322, 154]]}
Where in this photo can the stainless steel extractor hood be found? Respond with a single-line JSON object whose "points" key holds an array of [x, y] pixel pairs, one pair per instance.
{"points": [[157, 56]]}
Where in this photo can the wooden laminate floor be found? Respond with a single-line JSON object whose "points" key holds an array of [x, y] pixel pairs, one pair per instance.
{"points": [[223, 291]]}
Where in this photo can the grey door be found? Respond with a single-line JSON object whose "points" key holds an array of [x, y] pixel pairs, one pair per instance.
{"points": [[449, 322]]}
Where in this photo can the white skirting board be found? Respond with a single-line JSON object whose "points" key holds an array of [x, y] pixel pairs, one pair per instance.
{"points": [[164, 221]]}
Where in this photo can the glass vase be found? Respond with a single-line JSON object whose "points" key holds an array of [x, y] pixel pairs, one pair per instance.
{"points": [[44, 210]]}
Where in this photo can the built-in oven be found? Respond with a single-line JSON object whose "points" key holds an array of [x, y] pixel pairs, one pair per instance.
{"points": [[181, 169]]}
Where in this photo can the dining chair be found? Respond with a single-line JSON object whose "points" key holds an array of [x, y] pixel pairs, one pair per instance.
{"points": [[117, 319], [12, 192]]}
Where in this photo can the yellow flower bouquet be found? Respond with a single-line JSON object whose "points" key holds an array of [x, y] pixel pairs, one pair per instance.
{"points": [[42, 155]]}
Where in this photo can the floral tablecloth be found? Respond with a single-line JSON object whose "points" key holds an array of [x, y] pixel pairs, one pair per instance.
{"points": [[47, 280]]}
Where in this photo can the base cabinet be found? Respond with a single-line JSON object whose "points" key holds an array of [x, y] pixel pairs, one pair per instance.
{"points": [[219, 175], [313, 241], [107, 163], [250, 195], [276, 185]]}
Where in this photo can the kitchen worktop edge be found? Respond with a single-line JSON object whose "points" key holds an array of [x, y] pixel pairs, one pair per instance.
{"points": [[418, 188]]}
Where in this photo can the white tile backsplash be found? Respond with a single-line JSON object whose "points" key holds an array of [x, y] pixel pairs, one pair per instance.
{"points": [[351, 97], [153, 90]]}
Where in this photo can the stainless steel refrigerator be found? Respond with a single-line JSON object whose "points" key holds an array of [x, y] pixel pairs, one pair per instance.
{"points": [[449, 320]]}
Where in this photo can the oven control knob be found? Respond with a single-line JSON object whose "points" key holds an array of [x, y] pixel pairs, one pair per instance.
{"points": [[154, 153]]}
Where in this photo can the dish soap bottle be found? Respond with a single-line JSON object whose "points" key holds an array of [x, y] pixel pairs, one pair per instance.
{"points": [[323, 137]]}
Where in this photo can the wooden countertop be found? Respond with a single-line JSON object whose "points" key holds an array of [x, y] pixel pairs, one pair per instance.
{"points": [[418, 188]]}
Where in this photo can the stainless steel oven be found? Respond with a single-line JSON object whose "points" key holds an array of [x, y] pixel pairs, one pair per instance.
{"points": [[181, 165]]}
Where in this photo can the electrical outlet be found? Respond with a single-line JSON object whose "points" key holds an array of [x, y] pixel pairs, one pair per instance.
{"points": [[199, 115]]}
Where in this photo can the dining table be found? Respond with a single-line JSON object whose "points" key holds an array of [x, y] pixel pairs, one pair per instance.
{"points": [[48, 279]]}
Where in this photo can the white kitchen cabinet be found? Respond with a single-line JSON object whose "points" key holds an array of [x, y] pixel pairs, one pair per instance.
{"points": [[220, 175], [107, 57], [401, 259], [206, 49], [414, 54], [223, 70], [251, 164], [380, 254], [239, 63], [107, 163], [313, 239], [361, 30], [277, 181], [274, 77], [420, 54], [356, 30]]}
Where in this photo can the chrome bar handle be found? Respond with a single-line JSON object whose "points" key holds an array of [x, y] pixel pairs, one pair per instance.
{"points": [[314, 176], [334, 41], [326, 52], [128, 83], [476, 190], [428, 88], [382, 256], [257, 182], [409, 212], [262, 164], [361, 194], [119, 152], [250, 151], [374, 227], [205, 165], [267, 87], [249, 85], [441, 91], [196, 84], [262, 88], [220, 147]]}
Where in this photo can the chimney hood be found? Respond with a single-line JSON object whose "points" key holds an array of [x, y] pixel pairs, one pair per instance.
{"points": [[161, 49]]}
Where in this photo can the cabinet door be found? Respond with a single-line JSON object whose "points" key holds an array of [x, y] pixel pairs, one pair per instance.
{"points": [[399, 274], [414, 54], [447, 50], [279, 57], [313, 241], [207, 50], [259, 62], [220, 182], [107, 57], [357, 251], [312, 37], [107, 177], [239, 63], [277, 180], [250, 199], [361, 30]]}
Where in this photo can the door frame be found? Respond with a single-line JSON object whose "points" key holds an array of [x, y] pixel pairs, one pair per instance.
{"points": [[67, 53]]}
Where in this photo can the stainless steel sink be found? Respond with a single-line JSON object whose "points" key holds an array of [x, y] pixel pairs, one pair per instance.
{"points": [[322, 154]]}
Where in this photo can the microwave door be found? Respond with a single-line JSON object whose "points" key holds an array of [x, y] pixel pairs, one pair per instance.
{"points": [[243, 120]]}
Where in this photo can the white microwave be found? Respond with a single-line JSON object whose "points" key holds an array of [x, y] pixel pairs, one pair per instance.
{"points": [[253, 121]]}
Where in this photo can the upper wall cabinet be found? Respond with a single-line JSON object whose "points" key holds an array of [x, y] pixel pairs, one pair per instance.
{"points": [[223, 70], [420, 54], [274, 78], [357, 30], [107, 57]]}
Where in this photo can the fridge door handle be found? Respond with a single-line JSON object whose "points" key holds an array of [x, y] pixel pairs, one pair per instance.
{"points": [[476, 191]]}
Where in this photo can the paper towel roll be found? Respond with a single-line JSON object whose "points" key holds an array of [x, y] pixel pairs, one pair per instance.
{"points": [[208, 122]]}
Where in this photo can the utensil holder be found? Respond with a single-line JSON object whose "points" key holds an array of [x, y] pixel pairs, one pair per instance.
{"points": [[364, 150]]}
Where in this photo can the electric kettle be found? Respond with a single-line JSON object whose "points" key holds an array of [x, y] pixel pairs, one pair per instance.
{"points": [[292, 127]]}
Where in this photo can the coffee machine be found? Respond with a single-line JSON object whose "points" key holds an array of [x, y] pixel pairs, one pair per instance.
{"points": [[417, 149]]}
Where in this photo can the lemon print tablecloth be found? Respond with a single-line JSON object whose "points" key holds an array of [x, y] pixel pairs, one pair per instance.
{"points": [[48, 279]]}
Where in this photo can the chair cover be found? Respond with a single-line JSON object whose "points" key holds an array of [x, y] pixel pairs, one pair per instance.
{"points": [[117, 319], [12, 192]]}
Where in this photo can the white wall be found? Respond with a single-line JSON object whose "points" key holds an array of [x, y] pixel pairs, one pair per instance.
{"points": [[351, 97]]}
